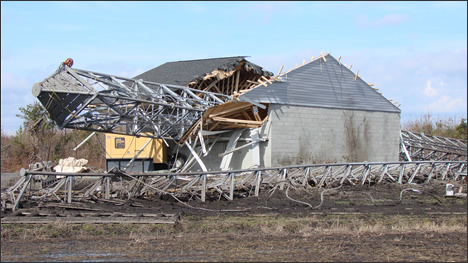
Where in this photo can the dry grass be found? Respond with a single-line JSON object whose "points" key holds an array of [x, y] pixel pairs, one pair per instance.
{"points": [[267, 225], [246, 238], [451, 127]]}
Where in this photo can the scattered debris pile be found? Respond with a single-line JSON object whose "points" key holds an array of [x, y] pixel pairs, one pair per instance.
{"points": [[71, 165]]}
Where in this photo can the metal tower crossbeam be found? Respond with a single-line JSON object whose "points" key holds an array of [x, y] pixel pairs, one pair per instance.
{"points": [[428, 147], [86, 100], [225, 183]]}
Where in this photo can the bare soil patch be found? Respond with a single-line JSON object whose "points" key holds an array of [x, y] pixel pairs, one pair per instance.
{"points": [[382, 222]]}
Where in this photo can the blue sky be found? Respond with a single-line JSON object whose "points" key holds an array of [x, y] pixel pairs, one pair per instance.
{"points": [[414, 52]]}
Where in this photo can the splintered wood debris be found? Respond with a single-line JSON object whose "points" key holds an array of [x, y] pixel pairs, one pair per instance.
{"points": [[234, 114]]}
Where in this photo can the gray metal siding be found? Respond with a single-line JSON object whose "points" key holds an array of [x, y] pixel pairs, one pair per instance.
{"points": [[322, 84]]}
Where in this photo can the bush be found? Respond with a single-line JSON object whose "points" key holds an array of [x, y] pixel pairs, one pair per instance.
{"points": [[38, 139], [429, 125]]}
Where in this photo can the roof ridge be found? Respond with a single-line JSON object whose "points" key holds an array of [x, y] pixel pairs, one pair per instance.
{"points": [[243, 57], [308, 62]]}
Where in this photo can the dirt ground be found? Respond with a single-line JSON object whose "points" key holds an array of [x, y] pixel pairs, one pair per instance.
{"points": [[382, 222]]}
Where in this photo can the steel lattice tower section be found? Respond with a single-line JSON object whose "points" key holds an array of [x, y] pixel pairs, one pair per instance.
{"points": [[421, 147], [86, 100]]}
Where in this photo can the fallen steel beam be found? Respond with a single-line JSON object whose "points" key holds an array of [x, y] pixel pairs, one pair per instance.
{"points": [[86, 100], [199, 184], [421, 147]]}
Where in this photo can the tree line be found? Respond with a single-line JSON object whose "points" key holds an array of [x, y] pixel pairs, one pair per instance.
{"points": [[38, 139], [430, 125]]}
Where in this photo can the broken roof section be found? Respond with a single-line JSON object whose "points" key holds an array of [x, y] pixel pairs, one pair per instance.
{"points": [[229, 76], [323, 82], [226, 75]]}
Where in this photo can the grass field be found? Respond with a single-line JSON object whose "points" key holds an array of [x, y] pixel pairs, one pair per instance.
{"points": [[258, 237]]}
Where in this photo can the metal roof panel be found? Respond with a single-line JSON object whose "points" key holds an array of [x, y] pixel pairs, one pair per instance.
{"points": [[322, 84]]}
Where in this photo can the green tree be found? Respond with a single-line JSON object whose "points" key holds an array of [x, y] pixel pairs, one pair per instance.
{"points": [[38, 131], [35, 117]]}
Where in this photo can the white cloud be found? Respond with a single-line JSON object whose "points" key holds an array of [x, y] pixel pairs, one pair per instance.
{"points": [[429, 90], [404, 78], [447, 104]]}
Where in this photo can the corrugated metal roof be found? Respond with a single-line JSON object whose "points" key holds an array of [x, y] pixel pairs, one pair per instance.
{"points": [[322, 84], [183, 72]]}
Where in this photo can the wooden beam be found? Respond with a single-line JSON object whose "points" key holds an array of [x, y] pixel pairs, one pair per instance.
{"points": [[243, 91], [350, 66], [263, 83], [214, 126], [246, 116], [225, 86], [228, 87], [201, 83], [227, 126], [257, 117], [90, 220], [237, 81], [255, 113], [217, 89], [234, 83], [190, 131], [221, 86], [207, 88], [275, 78], [339, 59], [263, 77], [242, 85], [324, 59], [281, 69], [240, 106], [254, 85], [355, 77], [237, 121]]}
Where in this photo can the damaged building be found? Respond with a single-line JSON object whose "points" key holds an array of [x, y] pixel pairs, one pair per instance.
{"points": [[220, 126], [318, 112], [227, 114]]}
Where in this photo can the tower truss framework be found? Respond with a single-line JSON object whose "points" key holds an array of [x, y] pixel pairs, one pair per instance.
{"points": [[87, 100]]}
